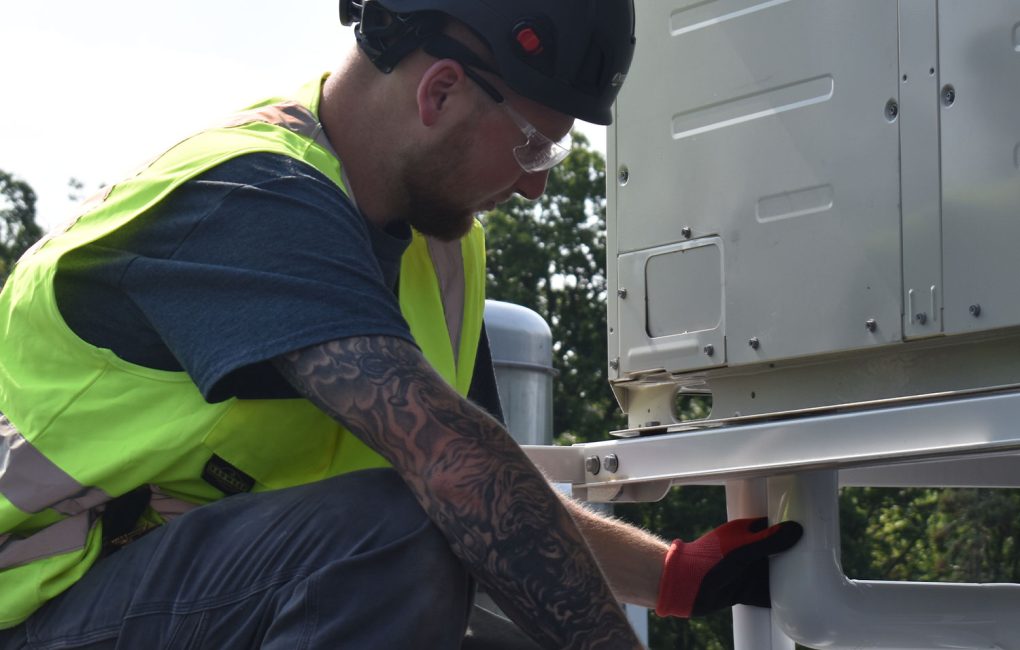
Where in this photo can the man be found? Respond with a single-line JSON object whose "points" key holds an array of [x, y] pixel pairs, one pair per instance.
{"points": [[285, 311]]}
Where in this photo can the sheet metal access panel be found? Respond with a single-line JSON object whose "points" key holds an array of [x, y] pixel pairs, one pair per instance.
{"points": [[798, 178]]}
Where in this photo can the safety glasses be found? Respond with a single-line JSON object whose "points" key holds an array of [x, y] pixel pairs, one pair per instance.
{"points": [[538, 153]]}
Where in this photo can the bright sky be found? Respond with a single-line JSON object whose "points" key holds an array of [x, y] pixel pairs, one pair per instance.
{"points": [[91, 90]]}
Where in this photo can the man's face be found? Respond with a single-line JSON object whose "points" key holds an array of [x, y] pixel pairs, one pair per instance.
{"points": [[475, 169]]}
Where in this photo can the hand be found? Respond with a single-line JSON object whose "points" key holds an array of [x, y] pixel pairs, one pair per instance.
{"points": [[725, 567]]}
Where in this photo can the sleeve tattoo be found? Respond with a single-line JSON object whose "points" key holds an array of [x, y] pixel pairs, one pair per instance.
{"points": [[499, 514]]}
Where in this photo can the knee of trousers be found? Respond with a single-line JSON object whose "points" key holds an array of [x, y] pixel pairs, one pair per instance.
{"points": [[394, 548], [353, 514]]}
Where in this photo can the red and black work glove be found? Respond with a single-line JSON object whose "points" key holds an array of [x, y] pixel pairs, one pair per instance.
{"points": [[725, 567]]}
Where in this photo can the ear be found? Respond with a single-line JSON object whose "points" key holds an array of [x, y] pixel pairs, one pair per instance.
{"points": [[435, 88]]}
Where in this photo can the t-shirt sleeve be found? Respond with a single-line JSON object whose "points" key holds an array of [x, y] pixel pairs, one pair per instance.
{"points": [[272, 261]]}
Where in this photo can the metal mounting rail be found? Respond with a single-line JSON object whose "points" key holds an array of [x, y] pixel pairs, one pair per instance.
{"points": [[791, 469], [642, 469]]}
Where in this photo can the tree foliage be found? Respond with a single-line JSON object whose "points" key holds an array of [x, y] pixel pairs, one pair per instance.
{"points": [[550, 256], [18, 228]]}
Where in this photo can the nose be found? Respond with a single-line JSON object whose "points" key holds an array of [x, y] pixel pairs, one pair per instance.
{"points": [[531, 185]]}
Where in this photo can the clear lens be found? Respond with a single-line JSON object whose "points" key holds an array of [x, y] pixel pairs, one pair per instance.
{"points": [[539, 153]]}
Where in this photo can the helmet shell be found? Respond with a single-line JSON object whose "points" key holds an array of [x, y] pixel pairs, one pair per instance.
{"points": [[570, 55]]}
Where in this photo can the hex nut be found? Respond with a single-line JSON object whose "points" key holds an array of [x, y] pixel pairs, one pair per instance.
{"points": [[611, 462]]}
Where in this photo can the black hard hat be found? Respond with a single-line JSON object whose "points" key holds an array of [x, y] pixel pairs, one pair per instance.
{"points": [[569, 55]]}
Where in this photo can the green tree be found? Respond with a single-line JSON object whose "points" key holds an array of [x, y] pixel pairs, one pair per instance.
{"points": [[550, 256], [18, 229]]}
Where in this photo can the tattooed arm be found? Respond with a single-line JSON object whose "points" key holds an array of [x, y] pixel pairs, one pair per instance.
{"points": [[500, 515]]}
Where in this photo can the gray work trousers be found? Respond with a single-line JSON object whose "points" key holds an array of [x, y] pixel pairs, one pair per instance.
{"points": [[349, 562]]}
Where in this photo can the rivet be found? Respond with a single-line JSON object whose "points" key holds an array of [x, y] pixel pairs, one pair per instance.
{"points": [[709, 350], [922, 318], [754, 343], [622, 293], [892, 110], [871, 324], [948, 95], [614, 363], [611, 462], [592, 464], [686, 232], [975, 310]]}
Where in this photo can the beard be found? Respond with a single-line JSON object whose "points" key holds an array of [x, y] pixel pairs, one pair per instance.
{"points": [[431, 181]]}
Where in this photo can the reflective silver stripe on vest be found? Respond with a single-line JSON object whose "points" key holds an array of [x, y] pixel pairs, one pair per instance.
{"points": [[167, 506], [289, 115], [32, 483], [448, 261], [64, 536]]}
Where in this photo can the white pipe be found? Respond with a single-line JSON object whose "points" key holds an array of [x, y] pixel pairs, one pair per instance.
{"points": [[753, 628], [818, 606]]}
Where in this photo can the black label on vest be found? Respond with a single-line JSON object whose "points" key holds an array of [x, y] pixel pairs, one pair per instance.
{"points": [[226, 478]]}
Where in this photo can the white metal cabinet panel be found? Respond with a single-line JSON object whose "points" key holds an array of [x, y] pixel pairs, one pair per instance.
{"points": [[656, 330], [920, 180], [764, 123], [979, 48]]}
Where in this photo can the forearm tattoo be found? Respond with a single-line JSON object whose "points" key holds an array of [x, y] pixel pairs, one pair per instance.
{"points": [[499, 514]]}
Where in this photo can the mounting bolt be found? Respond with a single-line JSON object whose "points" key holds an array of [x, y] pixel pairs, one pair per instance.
{"points": [[948, 95], [592, 464], [686, 232], [709, 350], [754, 343], [611, 462], [975, 310], [614, 363], [892, 110], [623, 175], [622, 293], [871, 324], [922, 318]]}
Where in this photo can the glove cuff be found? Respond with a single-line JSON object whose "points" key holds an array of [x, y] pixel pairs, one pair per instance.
{"points": [[679, 584]]}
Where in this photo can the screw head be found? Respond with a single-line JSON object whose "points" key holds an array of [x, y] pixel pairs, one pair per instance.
{"points": [[622, 293], [592, 464], [871, 324], [623, 175], [614, 363], [611, 463], [754, 343], [921, 318], [709, 350], [975, 310], [948, 95], [892, 110], [686, 232]]}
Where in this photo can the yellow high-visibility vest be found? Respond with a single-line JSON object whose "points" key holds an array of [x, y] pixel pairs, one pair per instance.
{"points": [[80, 426]]}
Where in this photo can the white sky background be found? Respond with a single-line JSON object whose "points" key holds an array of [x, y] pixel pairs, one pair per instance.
{"points": [[91, 90]]}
